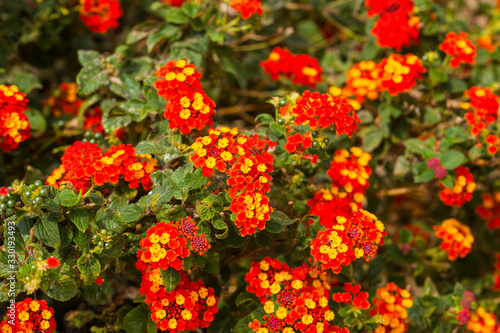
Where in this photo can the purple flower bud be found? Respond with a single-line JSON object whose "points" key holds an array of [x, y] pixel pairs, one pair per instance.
{"points": [[440, 172], [405, 248], [433, 163], [467, 300]]}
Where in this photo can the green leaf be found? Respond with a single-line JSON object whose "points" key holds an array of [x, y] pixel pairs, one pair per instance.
{"points": [[62, 288], [451, 159], [414, 145], [89, 267], [86, 56], [68, 198], [425, 176], [447, 181], [167, 31], [432, 116], [372, 140], [26, 82], [265, 118], [140, 31], [136, 321], [80, 218], [281, 218], [244, 297], [36, 120], [149, 147], [274, 227], [175, 15], [205, 212], [131, 213], [277, 130], [91, 84], [406, 235], [170, 278], [190, 9], [46, 230]]}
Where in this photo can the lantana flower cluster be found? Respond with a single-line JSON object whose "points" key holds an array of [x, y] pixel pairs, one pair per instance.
{"points": [[484, 105], [460, 48], [392, 303], [462, 190], [248, 165], [358, 236], [349, 171], [30, 316], [188, 106], [247, 8], [489, 209], [300, 68], [363, 81], [14, 125], [327, 206], [64, 100], [457, 238], [483, 322], [86, 163], [294, 299], [100, 15], [190, 305], [353, 295], [392, 14]]}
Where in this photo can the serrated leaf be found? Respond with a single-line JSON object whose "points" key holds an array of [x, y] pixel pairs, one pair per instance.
{"points": [[131, 213], [149, 147], [170, 278], [46, 230], [80, 218], [136, 321], [244, 297], [68, 198], [452, 159], [86, 56], [89, 267], [62, 288]]}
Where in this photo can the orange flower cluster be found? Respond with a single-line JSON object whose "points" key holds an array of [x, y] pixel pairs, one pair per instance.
{"points": [[100, 15], [347, 240], [460, 48], [457, 238], [485, 105], [188, 307], [298, 143], [400, 73], [301, 68], [461, 191], [167, 243], [328, 206], [394, 14], [84, 163], [392, 303], [64, 100], [489, 210], [353, 296], [294, 299], [496, 274], [188, 106], [363, 81], [322, 111], [248, 164], [14, 125], [247, 8], [486, 42], [483, 322], [349, 172], [31, 316]]}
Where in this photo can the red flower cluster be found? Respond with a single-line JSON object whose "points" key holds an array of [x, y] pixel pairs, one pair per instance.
{"points": [[460, 48], [167, 243], [457, 238], [247, 8], [496, 274], [248, 165], [31, 316], [64, 100], [100, 15], [350, 171], [188, 307], [485, 107], [461, 191], [298, 143], [392, 303], [14, 125], [328, 206], [353, 296], [301, 68], [483, 322], [363, 81], [400, 73], [322, 111], [347, 240], [188, 106], [464, 314], [394, 14], [175, 3], [295, 300], [52, 262], [84, 163], [489, 210]]}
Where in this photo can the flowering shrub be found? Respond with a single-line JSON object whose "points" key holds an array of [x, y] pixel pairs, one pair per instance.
{"points": [[249, 166]]}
